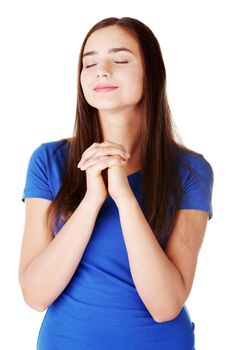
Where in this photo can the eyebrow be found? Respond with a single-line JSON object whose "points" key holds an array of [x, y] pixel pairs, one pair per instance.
{"points": [[113, 50]]}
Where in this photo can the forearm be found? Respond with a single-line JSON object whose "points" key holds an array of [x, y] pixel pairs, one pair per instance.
{"points": [[48, 274], [156, 278]]}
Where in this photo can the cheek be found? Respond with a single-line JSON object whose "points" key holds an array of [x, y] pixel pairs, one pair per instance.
{"points": [[82, 80], [85, 84], [135, 81]]}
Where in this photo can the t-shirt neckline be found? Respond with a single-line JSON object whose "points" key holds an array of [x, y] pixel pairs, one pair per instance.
{"points": [[134, 173]]}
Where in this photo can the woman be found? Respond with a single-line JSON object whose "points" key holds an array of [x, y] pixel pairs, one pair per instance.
{"points": [[115, 215]]}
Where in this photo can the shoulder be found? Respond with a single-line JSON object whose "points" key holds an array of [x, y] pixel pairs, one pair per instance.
{"points": [[196, 179], [193, 163], [47, 151], [51, 148]]}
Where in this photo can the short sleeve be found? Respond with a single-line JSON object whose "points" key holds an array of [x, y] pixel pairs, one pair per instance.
{"points": [[37, 184], [198, 187]]}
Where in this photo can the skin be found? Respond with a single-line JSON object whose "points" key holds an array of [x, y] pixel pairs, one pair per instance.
{"points": [[163, 278], [167, 274], [121, 110]]}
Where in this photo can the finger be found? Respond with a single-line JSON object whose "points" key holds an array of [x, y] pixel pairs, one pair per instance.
{"points": [[92, 161], [120, 146], [104, 164], [86, 152], [111, 143], [107, 161], [95, 144], [106, 142], [116, 144], [103, 151]]}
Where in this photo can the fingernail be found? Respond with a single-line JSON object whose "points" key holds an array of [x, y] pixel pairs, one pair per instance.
{"points": [[127, 154]]}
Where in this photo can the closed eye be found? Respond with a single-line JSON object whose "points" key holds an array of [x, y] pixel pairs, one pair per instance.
{"points": [[121, 62], [91, 65]]}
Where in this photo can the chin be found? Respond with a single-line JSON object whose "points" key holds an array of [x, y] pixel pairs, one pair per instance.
{"points": [[106, 106], [110, 105]]}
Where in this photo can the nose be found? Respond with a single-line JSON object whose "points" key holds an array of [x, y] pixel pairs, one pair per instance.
{"points": [[103, 70], [102, 75]]}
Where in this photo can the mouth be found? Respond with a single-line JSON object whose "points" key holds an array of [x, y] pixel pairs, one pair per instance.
{"points": [[104, 88]]}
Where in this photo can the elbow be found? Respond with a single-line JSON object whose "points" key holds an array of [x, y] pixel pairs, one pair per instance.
{"points": [[166, 314], [33, 302], [35, 305], [31, 297]]}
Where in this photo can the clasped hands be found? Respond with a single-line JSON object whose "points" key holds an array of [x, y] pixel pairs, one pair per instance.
{"points": [[112, 156]]}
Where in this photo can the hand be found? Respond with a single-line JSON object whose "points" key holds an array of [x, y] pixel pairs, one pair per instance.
{"points": [[100, 156]]}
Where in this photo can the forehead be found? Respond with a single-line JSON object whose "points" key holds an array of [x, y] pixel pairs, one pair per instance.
{"points": [[113, 36]]}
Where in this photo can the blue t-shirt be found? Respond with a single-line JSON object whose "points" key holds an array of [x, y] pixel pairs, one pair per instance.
{"points": [[100, 308]]}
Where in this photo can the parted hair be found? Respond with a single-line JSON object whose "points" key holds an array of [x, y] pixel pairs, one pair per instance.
{"points": [[161, 147]]}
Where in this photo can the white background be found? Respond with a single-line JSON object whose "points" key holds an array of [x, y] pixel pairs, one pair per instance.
{"points": [[40, 43]]}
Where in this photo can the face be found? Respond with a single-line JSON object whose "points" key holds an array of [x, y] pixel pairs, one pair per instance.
{"points": [[112, 73]]}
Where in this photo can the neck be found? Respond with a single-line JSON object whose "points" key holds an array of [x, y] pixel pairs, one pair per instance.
{"points": [[124, 127]]}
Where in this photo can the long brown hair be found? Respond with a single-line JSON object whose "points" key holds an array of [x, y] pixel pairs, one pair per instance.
{"points": [[161, 146]]}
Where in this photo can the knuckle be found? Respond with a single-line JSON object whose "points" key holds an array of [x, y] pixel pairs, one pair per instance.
{"points": [[116, 156]]}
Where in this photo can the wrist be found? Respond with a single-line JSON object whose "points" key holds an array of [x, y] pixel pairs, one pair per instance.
{"points": [[92, 202], [125, 199]]}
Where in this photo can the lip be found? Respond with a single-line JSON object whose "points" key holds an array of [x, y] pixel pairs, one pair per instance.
{"points": [[105, 87]]}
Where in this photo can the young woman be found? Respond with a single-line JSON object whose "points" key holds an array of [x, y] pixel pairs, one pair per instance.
{"points": [[116, 214]]}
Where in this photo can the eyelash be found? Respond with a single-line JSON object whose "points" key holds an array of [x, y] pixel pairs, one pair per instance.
{"points": [[91, 65]]}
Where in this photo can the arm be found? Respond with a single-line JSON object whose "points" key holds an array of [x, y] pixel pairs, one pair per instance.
{"points": [[163, 279], [47, 264]]}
